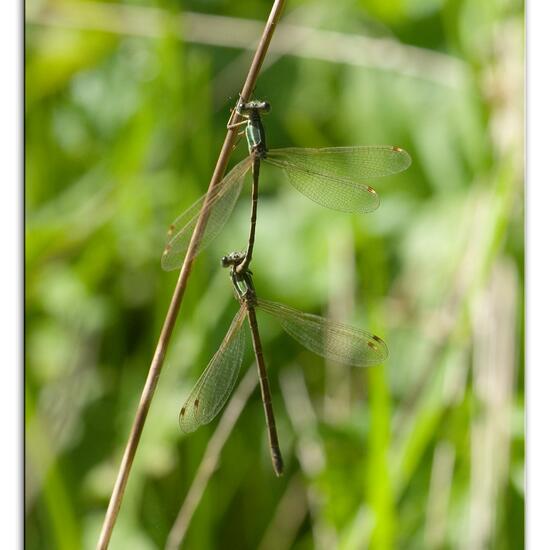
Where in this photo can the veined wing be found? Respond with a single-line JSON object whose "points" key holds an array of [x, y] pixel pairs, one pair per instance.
{"points": [[216, 382], [336, 177], [220, 206], [335, 341]]}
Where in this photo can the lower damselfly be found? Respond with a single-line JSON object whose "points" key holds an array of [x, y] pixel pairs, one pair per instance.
{"points": [[335, 341], [334, 177]]}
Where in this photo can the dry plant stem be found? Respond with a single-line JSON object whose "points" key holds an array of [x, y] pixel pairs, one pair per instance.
{"points": [[169, 322], [210, 458]]}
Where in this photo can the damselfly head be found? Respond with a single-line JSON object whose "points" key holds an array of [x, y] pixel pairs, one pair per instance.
{"points": [[233, 259], [255, 105]]}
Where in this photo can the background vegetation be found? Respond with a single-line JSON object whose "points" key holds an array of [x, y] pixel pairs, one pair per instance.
{"points": [[125, 115]]}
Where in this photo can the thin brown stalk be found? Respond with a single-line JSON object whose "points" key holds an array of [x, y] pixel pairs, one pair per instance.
{"points": [[210, 458], [169, 322]]}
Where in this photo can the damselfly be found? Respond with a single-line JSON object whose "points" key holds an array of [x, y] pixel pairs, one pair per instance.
{"points": [[335, 341], [334, 177]]}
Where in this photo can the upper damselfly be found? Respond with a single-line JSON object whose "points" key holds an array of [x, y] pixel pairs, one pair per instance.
{"points": [[334, 177]]}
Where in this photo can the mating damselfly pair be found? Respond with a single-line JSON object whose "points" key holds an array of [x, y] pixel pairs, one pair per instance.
{"points": [[334, 177]]}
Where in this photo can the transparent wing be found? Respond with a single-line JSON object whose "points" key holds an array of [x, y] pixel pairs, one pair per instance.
{"points": [[336, 177], [335, 341], [221, 205], [216, 382]]}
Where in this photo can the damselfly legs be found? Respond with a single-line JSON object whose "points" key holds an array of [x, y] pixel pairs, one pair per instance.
{"points": [[335, 341]]}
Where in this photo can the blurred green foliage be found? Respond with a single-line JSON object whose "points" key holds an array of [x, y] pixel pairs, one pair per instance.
{"points": [[124, 121]]}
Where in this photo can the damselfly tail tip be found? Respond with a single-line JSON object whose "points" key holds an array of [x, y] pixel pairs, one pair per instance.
{"points": [[279, 469], [278, 464]]}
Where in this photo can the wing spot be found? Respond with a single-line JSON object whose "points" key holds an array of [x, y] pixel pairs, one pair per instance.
{"points": [[372, 346], [377, 339], [397, 149], [196, 403]]}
